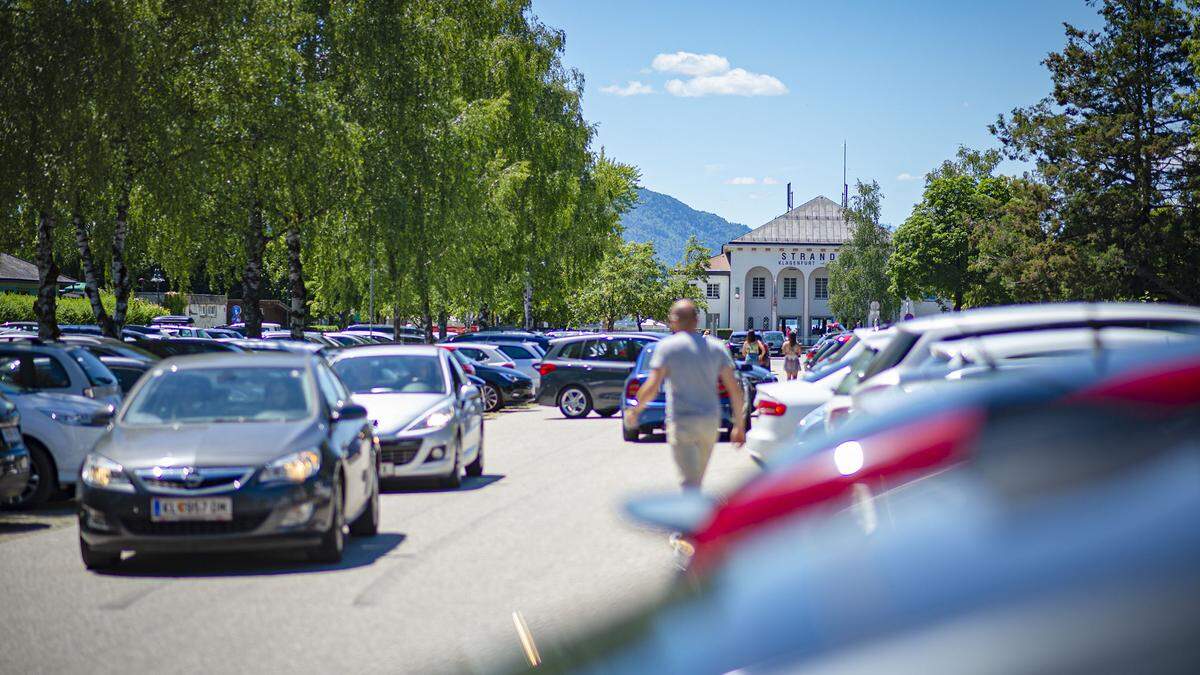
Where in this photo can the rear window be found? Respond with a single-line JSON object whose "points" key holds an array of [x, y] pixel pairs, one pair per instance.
{"points": [[97, 373], [573, 350], [516, 352], [126, 377]]}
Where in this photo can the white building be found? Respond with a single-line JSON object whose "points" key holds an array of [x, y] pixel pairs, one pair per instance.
{"points": [[775, 276]]}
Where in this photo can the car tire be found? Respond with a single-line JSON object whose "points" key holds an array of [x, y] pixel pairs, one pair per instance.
{"points": [[574, 402], [607, 413], [42, 478], [631, 434], [333, 540], [97, 560], [493, 400], [475, 468], [453, 481], [367, 523]]}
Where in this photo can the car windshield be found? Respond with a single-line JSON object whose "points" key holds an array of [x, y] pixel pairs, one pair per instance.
{"points": [[215, 395], [393, 373]]}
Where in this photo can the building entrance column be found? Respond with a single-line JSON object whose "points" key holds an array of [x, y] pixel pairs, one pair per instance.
{"points": [[806, 327]]}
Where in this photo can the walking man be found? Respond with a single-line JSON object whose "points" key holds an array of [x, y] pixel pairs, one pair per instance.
{"points": [[692, 365]]}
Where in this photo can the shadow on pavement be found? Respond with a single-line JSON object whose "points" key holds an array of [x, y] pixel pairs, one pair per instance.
{"points": [[360, 552], [10, 527], [400, 485]]}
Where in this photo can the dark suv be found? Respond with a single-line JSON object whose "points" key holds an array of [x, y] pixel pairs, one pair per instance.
{"points": [[585, 373]]}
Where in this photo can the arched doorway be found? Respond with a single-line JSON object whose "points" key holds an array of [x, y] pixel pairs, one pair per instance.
{"points": [[789, 300], [819, 316], [760, 289]]}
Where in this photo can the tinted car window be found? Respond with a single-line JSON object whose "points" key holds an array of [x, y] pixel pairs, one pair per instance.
{"points": [[411, 374], [475, 354], [625, 350], [126, 377], [573, 350], [50, 373], [214, 395], [329, 390], [10, 372], [595, 350], [97, 373], [517, 352]]}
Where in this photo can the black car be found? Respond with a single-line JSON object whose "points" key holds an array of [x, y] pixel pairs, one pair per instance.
{"points": [[500, 385], [499, 336], [128, 371], [14, 457], [735, 342], [167, 347], [272, 455], [588, 372]]}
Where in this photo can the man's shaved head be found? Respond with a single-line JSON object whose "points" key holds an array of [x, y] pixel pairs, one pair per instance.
{"points": [[684, 316]]}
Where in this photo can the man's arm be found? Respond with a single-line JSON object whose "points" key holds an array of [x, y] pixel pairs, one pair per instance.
{"points": [[646, 393], [737, 435]]}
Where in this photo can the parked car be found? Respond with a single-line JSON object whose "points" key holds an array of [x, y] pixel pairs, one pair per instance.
{"points": [[64, 369], [501, 386], [98, 345], [57, 430], [588, 372], [501, 336], [14, 457], [482, 353], [172, 320], [653, 417], [736, 339], [277, 456], [240, 327], [127, 371], [309, 336], [167, 347], [347, 339], [774, 340], [407, 335], [524, 356], [428, 417], [260, 345]]}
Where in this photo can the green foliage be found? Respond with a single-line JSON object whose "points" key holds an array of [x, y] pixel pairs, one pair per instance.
{"points": [[176, 303], [860, 273], [19, 307]]}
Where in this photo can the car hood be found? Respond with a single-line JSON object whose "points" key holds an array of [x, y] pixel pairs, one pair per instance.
{"points": [[393, 412], [220, 444], [71, 403]]}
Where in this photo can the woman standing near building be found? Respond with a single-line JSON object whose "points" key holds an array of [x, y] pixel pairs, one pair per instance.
{"points": [[791, 356], [755, 350]]}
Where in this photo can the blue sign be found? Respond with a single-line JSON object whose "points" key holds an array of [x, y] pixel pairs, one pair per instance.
{"points": [[236, 313]]}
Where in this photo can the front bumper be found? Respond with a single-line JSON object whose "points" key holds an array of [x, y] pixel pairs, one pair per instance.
{"points": [[519, 393], [14, 471], [411, 455], [120, 521]]}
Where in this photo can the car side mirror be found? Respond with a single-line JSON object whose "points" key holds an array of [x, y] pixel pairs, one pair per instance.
{"points": [[348, 411], [468, 391]]}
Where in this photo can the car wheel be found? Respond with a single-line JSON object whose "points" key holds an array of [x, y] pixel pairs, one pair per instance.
{"points": [[333, 541], [97, 560], [367, 523], [631, 434], [574, 402], [475, 468], [454, 479], [42, 482], [492, 399], [607, 413]]}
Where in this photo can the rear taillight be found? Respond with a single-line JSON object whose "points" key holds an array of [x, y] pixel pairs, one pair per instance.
{"points": [[766, 406], [545, 368], [508, 364], [632, 388], [721, 390]]}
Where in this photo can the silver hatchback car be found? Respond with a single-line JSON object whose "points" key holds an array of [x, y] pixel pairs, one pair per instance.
{"points": [[428, 416]]}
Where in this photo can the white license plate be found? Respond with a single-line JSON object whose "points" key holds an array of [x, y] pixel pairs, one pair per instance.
{"points": [[215, 508], [387, 470], [12, 436]]}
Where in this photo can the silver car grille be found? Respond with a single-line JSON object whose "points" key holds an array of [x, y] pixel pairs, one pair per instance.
{"points": [[194, 480]]}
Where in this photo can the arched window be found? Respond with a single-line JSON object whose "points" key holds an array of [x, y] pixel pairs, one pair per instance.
{"points": [[749, 323], [766, 323]]}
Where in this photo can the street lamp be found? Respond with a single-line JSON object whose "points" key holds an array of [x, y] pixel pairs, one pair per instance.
{"points": [[737, 292], [158, 280]]}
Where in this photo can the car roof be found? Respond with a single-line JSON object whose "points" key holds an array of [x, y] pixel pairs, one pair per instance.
{"points": [[875, 338], [1006, 345], [126, 361], [388, 350], [33, 347], [279, 359], [1048, 313]]}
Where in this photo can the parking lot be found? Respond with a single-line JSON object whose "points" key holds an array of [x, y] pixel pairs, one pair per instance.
{"points": [[540, 533]]}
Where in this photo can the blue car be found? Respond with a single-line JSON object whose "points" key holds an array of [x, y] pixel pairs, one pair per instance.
{"points": [[654, 416]]}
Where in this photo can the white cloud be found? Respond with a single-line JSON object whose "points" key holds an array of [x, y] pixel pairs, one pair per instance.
{"points": [[692, 65], [634, 88], [906, 177], [770, 181], [742, 180], [736, 82]]}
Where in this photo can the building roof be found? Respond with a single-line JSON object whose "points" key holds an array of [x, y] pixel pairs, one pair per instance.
{"points": [[13, 268], [718, 263], [817, 221]]}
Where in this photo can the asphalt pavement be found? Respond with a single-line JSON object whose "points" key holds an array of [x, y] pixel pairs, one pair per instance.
{"points": [[540, 533]]}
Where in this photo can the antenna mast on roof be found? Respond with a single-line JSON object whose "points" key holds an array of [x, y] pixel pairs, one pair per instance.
{"points": [[845, 186], [789, 195]]}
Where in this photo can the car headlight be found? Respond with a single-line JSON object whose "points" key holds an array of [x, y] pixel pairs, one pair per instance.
{"points": [[101, 472], [436, 418], [294, 468], [77, 419]]}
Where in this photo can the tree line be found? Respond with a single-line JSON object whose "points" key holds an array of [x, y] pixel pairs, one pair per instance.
{"points": [[1110, 210], [433, 153]]}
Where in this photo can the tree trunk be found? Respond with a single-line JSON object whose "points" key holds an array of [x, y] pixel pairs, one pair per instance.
{"points": [[45, 305], [298, 312], [441, 323], [91, 285], [255, 242], [121, 281], [527, 303], [958, 300]]}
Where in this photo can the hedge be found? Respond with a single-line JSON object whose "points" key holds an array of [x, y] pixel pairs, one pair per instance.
{"points": [[19, 307], [724, 333]]}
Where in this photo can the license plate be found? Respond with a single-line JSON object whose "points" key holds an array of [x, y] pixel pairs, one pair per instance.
{"points": [[387, 470], [166, 510], [12, 436]]}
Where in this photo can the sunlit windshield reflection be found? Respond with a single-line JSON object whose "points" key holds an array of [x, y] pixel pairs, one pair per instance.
{"points": [[212, 395], [391, 374]]}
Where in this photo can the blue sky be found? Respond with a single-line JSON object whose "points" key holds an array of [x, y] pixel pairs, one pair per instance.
{"points": [[905, 83]]}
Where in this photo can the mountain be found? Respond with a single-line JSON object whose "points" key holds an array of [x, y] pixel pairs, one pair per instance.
{"points": [[667, 223]]}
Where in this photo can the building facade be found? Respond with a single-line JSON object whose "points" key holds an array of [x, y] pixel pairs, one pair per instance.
{"points": [[776, 275]]}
